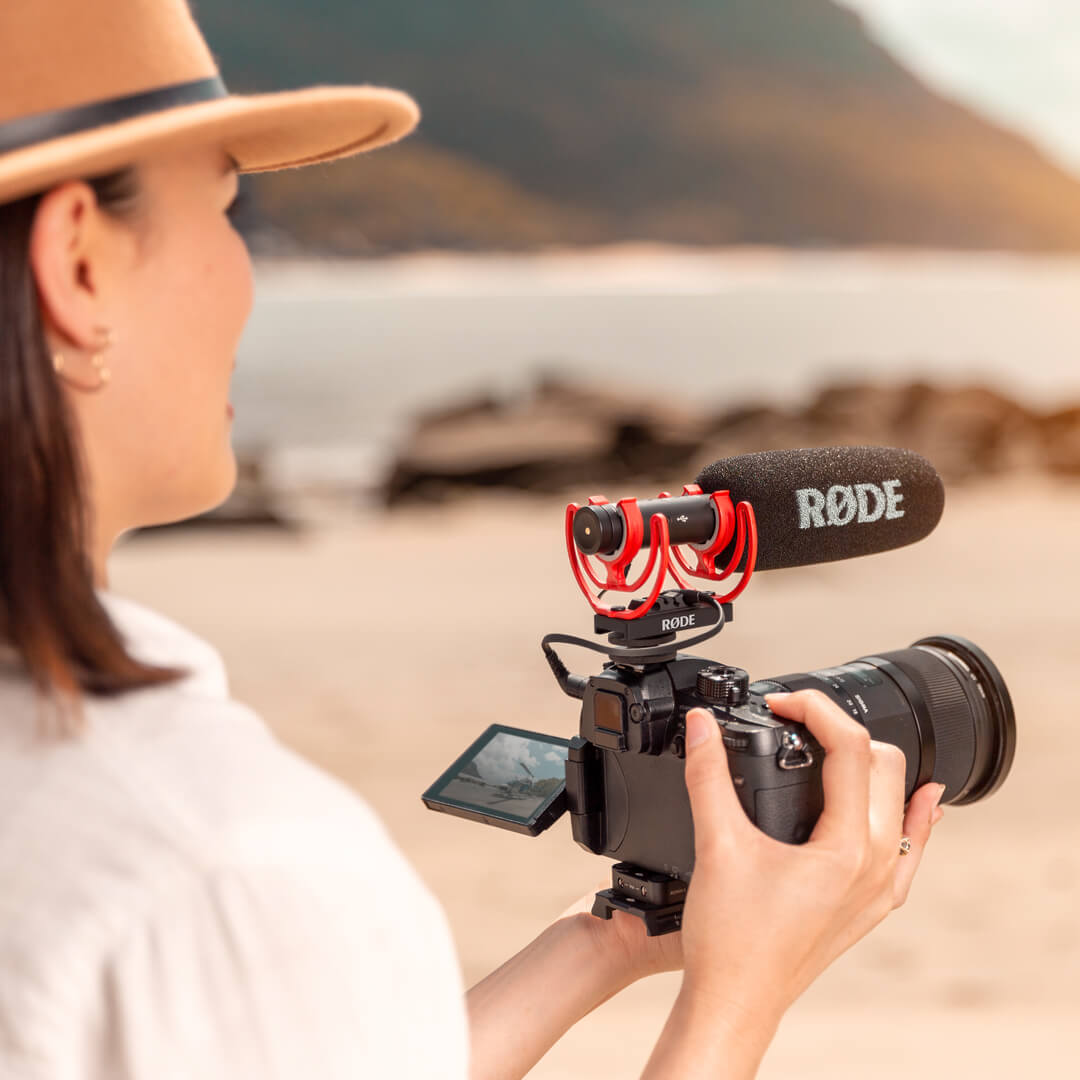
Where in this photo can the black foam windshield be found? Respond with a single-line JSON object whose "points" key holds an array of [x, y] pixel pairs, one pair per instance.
{"points": [[826, 503]]}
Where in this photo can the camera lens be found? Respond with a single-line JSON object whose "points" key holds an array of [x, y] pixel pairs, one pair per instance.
{"points": [[942, 701], [972, 722]]}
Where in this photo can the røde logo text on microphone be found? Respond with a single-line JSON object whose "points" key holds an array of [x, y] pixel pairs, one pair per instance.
{"points": [[844, 504]]}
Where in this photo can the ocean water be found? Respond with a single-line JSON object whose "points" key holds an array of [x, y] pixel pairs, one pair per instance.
{"points": [[339, 356]]}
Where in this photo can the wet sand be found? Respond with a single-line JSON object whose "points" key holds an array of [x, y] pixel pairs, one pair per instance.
{"points": [[381, 647]]}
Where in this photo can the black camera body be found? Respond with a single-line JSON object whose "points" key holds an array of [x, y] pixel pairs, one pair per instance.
{"points": [[625, 787], [941, 701]]}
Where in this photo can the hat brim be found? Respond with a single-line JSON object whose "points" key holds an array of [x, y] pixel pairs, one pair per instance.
{"points": [[281, 130]]}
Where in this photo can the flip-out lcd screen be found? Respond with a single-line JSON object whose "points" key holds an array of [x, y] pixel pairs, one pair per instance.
{"points": [[509, 777]]}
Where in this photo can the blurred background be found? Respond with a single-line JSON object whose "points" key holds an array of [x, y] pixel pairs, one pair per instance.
{"points": [[628, 239]]}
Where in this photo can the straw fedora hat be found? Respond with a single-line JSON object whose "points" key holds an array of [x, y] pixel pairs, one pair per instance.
{"points": [[87, 86]]}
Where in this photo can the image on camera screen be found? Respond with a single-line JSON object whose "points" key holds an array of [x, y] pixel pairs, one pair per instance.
{"points": [[509, 772]]}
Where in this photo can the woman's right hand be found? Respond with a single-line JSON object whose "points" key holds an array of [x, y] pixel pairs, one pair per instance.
{"points": [[762, 918]]}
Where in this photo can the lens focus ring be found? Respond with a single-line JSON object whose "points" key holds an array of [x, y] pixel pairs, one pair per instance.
{"points": [[954, 726]]}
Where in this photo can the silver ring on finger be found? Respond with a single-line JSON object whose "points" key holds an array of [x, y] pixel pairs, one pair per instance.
{"points": [[905, 845]]}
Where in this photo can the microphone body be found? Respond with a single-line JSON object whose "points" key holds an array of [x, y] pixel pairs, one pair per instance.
{"points": [[600, 530], [828, 503]]}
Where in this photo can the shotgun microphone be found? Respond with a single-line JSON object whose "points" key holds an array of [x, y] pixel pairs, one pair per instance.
{"points": [[812, 506]]}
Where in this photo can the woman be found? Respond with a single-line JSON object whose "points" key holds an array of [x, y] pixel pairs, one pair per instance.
{"points": [[180, 895]]}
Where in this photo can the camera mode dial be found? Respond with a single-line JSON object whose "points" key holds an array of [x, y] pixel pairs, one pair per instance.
{"points": [[726, 686]]}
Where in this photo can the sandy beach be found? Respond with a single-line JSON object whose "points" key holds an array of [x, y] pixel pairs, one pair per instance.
{"points": [[380, 646]]}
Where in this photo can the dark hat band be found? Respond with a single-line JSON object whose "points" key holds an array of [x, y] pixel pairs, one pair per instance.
{"points": [[41, 127]]}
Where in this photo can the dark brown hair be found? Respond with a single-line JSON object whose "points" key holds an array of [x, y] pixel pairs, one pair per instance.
{"points": [[49, 611]]}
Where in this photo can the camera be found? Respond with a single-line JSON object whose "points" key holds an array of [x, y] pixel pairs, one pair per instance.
{"points": [[621, 779], [941, 701]]}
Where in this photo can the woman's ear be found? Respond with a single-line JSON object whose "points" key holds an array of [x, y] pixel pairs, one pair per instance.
{"points": [[74, 255]]}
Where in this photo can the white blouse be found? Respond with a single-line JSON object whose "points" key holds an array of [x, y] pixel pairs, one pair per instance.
{"points": [[183, 896]]}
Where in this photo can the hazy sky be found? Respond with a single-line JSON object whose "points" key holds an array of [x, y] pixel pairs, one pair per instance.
{"points": [[500, 761], [1017, 60]]}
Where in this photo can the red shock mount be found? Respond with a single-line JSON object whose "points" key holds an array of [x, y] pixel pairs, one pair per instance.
{"points": [[734, 523]]}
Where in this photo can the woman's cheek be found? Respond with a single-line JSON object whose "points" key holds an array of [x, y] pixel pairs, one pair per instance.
{"points": [[225, 289], [243, 279]]}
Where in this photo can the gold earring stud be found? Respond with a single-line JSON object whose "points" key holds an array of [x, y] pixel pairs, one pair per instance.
{"points": [[97, 360]]}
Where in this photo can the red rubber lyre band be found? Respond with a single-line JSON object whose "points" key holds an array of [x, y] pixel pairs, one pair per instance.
{"points": [[659, 544]]}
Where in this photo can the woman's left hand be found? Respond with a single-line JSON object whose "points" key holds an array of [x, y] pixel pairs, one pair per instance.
{"points": [[622, 940]]}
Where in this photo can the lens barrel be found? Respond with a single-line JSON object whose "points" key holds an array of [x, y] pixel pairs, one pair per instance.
{"points": [[942, 701], [972, 721]]}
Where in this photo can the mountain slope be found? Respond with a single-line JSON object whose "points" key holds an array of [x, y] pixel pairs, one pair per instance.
{"points": [[695, 121]]}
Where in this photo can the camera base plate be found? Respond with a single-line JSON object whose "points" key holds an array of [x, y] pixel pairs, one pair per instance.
{"points": [[655, 898]]}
